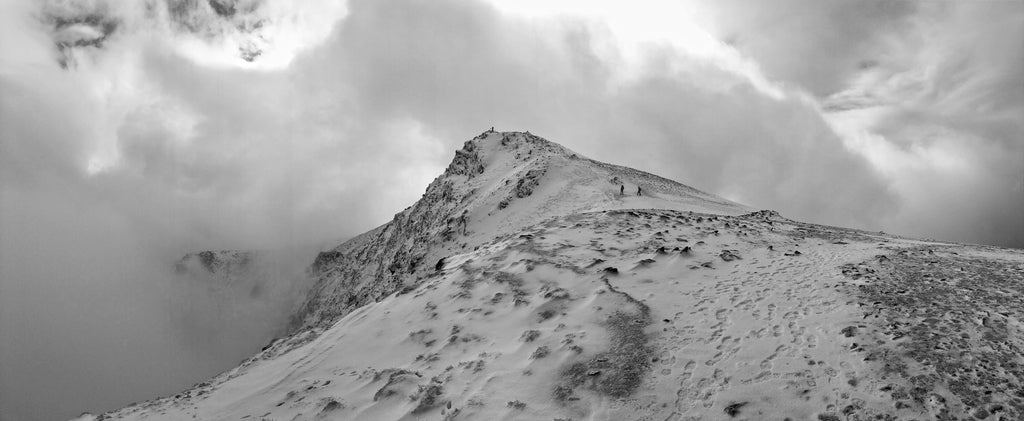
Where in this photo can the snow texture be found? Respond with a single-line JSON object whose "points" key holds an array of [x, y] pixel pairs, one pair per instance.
{"points": [[523, 286]]}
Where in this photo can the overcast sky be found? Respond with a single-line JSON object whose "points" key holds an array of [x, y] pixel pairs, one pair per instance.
{"points": [[145, 129]]}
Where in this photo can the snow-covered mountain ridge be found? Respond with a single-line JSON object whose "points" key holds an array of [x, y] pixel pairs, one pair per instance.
{"points": [[559, 299], [498, 183]]}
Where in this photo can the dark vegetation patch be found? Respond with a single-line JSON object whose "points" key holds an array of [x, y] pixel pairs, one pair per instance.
{"points": [[428, 396], [546, 314], [515, 284], [475, 366], [948, 327], [619, 370]]}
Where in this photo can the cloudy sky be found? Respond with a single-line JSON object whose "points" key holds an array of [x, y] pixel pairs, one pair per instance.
{"points": [[136, 131]]}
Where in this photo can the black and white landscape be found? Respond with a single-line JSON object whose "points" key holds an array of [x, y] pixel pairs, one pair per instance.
{"points": [[695, 210]]}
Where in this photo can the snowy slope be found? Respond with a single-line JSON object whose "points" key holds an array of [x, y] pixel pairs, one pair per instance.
{"points": [[498, 183], [573, 303]]}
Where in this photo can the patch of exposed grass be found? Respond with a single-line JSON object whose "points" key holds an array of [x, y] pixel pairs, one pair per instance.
{"points": [[515, 284], [546, 314], [618, 371], [941, 305]]}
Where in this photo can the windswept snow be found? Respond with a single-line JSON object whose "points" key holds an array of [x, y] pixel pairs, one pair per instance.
{"points": [[557, 298], [497, 184]]}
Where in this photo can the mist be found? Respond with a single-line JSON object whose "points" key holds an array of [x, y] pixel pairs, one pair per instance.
{"points": [[127, 143], [94, 316]]}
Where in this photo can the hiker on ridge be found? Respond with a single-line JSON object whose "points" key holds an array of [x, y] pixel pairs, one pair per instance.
{"points": [[638, 190]]}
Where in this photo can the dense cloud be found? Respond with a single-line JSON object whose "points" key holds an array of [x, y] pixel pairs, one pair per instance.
{"points": [[941, 114], [816, 46], [142, 131]]}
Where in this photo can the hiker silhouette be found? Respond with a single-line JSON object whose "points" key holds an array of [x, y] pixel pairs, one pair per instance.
{"points": [[622, 189], [638, 190]]}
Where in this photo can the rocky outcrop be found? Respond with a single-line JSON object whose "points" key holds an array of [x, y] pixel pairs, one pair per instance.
{"points": [[377, 263], [222, 263], [466, 162], [403, 251]]}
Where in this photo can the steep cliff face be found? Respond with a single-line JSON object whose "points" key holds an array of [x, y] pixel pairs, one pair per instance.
{"points": [[497, 183]]}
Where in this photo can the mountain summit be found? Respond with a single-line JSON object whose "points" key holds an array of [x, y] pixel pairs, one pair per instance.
{"points": [[497, 184], [523, 285]]}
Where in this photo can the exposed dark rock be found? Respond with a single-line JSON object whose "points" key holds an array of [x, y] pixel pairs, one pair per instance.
{"points": [[467, 161], [733, 409], [729, 255], [849, 331], [530, 181]]}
